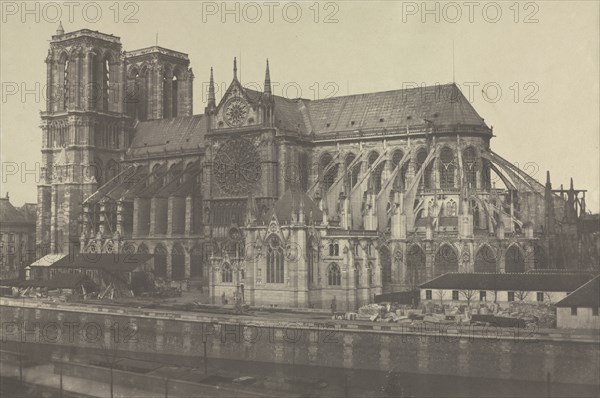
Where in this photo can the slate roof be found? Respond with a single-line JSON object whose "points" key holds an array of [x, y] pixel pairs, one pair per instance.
{"points": [[289, 203], [29, 211], [559, 282], [108, 262], [440, 105], [151, 136], [11, 215], [587, 295]]}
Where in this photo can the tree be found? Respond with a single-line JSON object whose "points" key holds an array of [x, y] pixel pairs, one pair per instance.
{"points": [[521, 295], [468, 294], [441, 293]]}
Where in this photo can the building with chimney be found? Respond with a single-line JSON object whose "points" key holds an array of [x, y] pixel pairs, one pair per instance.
{"points": [[17, 238]]}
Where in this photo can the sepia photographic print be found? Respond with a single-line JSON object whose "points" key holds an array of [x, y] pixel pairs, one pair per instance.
{"points": [[300, 199]]}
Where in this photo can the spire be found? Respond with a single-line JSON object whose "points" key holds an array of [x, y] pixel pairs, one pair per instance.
{"points": [[548, 183], [234, 68], [211, 88], [571, 183], [267, 80], [60, 31]]}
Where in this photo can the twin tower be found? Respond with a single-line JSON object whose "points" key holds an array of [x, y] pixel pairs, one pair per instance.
{"points": [[96, 93]]}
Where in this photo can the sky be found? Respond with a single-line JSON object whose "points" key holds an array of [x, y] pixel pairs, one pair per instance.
{"points": [[531, 69]]}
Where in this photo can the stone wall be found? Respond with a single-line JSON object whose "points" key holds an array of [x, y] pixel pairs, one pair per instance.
{"points": [[434, 352]]}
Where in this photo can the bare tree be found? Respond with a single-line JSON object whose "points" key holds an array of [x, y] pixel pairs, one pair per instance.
{"points": [[441, 293], [521, 295], [468, 294]]}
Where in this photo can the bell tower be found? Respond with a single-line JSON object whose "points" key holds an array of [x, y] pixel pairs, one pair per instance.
{"points": [[84, 130]]}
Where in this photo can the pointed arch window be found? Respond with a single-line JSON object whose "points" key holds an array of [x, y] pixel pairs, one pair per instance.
{"points": [[420, 161], [369, 274], [451, 208], [334, 275], [174, 95], [65, 84], [356, 274], [446, 166], [334, 249], [470, 167], [312, 258], [226, 273], [352, 172], [105, 83], [396, 158], [275, 261]]}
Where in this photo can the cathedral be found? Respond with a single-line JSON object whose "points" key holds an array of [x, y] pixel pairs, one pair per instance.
{"points": [[286, 202]]}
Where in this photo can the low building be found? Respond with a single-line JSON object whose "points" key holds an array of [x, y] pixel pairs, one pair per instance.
{"points": [[468, 288], [17, 237], [579, 310]]}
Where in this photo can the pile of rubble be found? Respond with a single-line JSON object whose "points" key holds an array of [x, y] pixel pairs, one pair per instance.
{"points": [[540, 315]]}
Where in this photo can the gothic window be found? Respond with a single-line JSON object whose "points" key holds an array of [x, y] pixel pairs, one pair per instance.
{"points": [[451, 208], [275, 264], [105, 84], [352, 171], [160, 261], [369, 274], [446, 166], [310, 257], [334, 249], [328, 175], [485, 260], [356, 274], [372, 158], [111, 170], [157, 174], [65, 84], [174, 96], [486, 174], [420, 161], [196, 263], [470, 167], [386, 265], [334, 276], [475, 211], [226, 273], [354, 175], [178, 262], [303, 171], [446, 260], [396, 158], [377, 177], [514, 261]]}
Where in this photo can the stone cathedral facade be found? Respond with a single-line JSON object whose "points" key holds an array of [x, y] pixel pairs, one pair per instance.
{"points": [[287, 201]]}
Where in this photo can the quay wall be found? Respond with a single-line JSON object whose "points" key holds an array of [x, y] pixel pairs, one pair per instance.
{"points": [[437, 350]]}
